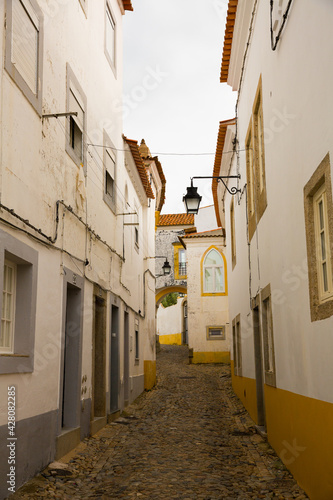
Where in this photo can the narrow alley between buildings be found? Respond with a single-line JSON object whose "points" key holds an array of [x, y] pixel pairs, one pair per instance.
{"points": [[188, 438]]}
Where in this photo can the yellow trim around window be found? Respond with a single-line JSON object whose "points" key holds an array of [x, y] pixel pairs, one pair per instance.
{"points": [[176, 248], [205, 294]]}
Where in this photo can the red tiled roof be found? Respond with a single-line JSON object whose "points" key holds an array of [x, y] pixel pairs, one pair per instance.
{"points": [[217, 164], [127, 5], [206, 234], [228, 36], [133, 145], [163, 180], [176, 220]]}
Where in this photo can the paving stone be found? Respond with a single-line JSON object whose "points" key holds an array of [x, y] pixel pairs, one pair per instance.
{"points": [[189, 438]]}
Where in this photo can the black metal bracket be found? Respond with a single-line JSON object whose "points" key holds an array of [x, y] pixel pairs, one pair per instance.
{"points": [[221, 178]]}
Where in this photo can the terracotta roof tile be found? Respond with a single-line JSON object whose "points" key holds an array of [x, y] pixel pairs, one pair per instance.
{"points": [[206, 234], [176, 220], [228, 36], [133, 145], [127, 4], [217, 164]]}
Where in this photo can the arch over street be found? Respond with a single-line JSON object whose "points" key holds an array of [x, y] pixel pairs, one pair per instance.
{"points": [[162, 292]]}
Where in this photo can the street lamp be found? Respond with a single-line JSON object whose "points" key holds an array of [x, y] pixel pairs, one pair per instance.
{"points": [[192, 198], [166, 268]]}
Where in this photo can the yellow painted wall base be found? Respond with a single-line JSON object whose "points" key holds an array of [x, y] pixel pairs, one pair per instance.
{"points": [[210, 357], [150, 374], [300, 430], [173, 339], [246, 390]]}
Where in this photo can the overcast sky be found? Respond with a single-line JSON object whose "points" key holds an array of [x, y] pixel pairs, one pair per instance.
{"points": [[173, 97]]}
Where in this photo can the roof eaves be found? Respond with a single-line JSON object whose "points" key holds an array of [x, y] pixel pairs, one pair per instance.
{"points": [[217, 163], [163, 181], [134, 148], [228, 37], [127, 4]]}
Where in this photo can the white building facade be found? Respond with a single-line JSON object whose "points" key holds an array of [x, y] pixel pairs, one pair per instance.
{"points": [[77, 221], [279, 227]]}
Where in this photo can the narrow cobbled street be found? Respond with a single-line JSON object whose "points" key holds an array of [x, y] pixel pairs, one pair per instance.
{"points": [[189, 438]]}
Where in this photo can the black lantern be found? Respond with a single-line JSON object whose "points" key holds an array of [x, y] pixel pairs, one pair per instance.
{"points": [[192, 199], [166, 268]]}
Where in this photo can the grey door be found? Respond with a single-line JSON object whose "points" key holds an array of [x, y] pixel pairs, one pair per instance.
{"points": [[126, 357], [114, 360], [71, 375], [99, 358]]}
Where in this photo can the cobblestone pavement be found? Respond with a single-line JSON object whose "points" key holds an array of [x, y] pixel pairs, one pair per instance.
{"points": [[189, 438]]}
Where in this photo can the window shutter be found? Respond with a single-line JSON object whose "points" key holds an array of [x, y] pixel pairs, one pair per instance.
{"points": [[25, 43], [74, 106], [110, 34], [110, 164]]}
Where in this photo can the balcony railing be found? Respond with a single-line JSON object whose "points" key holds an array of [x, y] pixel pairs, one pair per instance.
{"points": [[182, 269]]}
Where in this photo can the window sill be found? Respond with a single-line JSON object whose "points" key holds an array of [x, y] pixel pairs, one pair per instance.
{"points": [[109, 202]]}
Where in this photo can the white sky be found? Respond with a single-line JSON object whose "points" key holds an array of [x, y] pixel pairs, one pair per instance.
{"points": [[173, 97]]}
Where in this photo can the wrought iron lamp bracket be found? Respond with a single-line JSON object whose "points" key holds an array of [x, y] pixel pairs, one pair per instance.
{"points": [[233, 190]]}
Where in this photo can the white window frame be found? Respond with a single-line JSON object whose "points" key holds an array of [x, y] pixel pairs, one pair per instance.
{"points": [[214, 269], [110, 20], [20, 359], [182, 263], [136, 229], [322, 236], [109, 153], [35, 19], [11, 320], [79, 102]]}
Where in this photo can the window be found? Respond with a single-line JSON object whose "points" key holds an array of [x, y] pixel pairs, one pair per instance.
{"points": [[110, 36], [76, 103], [136, 222], [24, 48], [323, 252], [109, 158], [237, 345], [232, 233], [214, 276], [179, 258], [215, 332], [182, 262], [18, 276], [267, 329], [255, 165], [8, 307], [318, 210]]}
